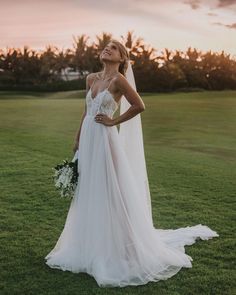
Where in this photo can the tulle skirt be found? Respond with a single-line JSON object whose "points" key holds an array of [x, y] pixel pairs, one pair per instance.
{"points": [[108, 234]]}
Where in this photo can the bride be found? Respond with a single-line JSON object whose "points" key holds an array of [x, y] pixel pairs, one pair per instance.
{"points": [[109, 232]]}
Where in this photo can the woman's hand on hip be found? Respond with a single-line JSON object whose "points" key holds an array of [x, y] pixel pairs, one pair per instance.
{"points": [[104, 119]]}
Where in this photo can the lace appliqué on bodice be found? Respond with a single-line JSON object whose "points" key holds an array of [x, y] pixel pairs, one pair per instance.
{"points": [[103, 103]]}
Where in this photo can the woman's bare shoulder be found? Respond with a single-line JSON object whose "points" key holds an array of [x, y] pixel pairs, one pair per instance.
{"points": [[90, 77], [120, 80]]}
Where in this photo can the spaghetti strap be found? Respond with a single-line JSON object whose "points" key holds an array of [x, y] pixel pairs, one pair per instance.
{"points": [[109, 83], [98, 78], [94, 81]]}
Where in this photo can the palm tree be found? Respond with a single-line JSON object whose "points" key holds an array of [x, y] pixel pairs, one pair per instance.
{"points": [[101, 41], [133, 44], [63, 60], [80, 47], [48, 63]]}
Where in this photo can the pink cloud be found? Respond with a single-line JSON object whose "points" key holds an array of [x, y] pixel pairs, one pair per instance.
{"points": [[168, 24]]}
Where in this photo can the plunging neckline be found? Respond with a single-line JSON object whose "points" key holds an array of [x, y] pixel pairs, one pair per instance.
{"points": [[106, 89], [97, 93]]}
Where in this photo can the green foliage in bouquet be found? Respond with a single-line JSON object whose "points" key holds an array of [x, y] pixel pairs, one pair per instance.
{"points": [[66, 177]]}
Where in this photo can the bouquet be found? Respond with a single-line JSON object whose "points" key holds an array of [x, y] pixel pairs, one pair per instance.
{"points": [[66, 177]]}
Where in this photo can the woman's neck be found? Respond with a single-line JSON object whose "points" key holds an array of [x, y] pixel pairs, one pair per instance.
{"points": [[110, 70]]}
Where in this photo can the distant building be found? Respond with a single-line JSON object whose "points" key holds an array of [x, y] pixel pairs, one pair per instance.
{"points": [[69, 74]]}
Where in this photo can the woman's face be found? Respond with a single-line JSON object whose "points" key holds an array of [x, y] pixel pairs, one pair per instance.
{"points": [[111, 52]]}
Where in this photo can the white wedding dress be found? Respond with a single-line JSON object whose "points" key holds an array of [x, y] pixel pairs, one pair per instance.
{"points": [[108, 233]]}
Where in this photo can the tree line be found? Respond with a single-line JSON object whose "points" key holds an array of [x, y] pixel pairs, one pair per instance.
{"points": [[154, 71]]}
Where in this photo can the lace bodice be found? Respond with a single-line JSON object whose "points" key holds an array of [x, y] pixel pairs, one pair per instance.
{"points": [[103, 103]]}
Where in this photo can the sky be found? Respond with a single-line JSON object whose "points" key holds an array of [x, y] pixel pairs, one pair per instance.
{"points": [[205, 25]]}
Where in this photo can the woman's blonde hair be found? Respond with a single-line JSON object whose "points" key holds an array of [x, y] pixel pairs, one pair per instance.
{"points": [[124, 55]]}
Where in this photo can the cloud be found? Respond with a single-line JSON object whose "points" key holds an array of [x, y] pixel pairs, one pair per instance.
{"points": [[230, 26], [213, 4], [194, 4], [212, 14], [224, 3], [154, 12]]}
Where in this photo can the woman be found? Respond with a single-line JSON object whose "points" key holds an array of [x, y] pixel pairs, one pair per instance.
{"points": [[109, 231]]}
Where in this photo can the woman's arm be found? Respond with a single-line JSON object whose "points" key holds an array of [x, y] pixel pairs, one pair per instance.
{"points": [[77, 136], [137, 104]]}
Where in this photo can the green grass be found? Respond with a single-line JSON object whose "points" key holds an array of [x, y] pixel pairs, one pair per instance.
{"points": [[190, 147]]}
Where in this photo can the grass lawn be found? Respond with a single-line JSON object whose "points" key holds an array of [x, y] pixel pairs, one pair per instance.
{"points": [[190, 147]]}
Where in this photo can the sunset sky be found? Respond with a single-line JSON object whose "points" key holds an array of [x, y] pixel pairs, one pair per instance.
{"points": [[163, 24]]}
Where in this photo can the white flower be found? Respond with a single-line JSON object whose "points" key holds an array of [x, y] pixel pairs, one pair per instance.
{"points": [[65, 180]]}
